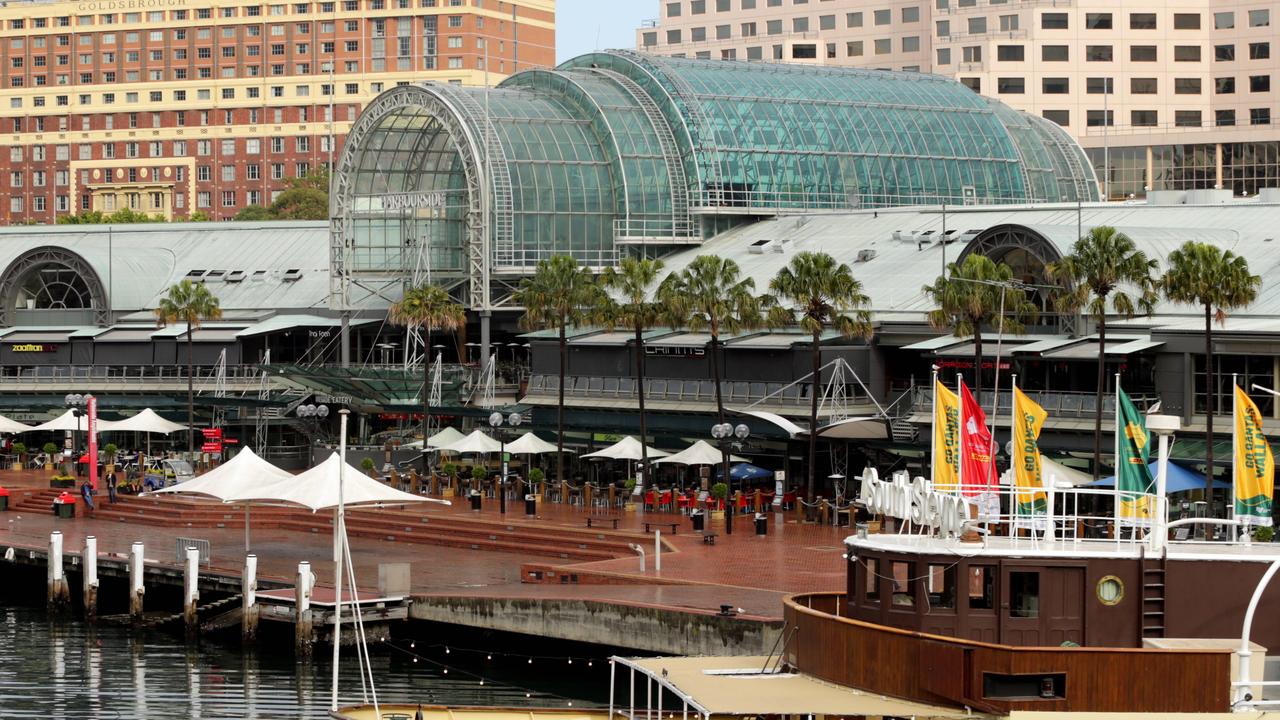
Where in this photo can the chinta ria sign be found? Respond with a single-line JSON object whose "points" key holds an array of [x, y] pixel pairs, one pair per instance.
{"points": [[913, 501]]}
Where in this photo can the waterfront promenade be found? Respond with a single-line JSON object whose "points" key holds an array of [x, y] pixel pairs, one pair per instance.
{"points": [[459, 554]]}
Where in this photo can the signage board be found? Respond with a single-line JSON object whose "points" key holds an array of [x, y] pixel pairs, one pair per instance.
{"points": [[914, 501], [92, 404], [33, 347]]}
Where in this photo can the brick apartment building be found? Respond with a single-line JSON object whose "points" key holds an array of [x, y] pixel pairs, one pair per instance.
{"points": [[174, 106]]}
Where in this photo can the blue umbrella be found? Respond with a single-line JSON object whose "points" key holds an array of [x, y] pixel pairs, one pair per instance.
{"points": [[745, 471], [1180, 480]]}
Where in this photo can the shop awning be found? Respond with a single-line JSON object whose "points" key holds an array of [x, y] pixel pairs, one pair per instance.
{"points": [[737, 686], [1117, 345], [288, 322]]}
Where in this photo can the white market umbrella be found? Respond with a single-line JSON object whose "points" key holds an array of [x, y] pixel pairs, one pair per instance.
{"points": [[62, 423], [628, 448], [445, 437], [699, 453], [476, 442], [530, 444], [12, 426], [242, 473], [146, 421], [317, 489]]}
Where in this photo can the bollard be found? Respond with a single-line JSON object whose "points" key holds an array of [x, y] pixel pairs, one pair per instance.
{"points": [[90, 561], [191, 592], [59, 592], [136, 587], [249, 600], [657, 551], [303, 637]]}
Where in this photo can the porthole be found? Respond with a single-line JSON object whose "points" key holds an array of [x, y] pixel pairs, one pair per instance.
{"points": [[1110, 590]]}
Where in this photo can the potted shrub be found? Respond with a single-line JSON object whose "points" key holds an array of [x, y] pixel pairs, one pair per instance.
{"points": [[1264, 534], [110, 450], [628, 503], [478, 474], [536, 478], [367, 466], [49, 450], [719, 491], [20, 449], [449, 471], [62, 481]]}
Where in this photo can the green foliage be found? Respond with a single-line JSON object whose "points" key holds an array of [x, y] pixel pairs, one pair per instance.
{"points": [[630, 484], [536, 475], [1106, 269], [63, 478], [720, 491], [110, 449], [429, 307], [478, 472], [367, 464], [449, 470], [49, 448], [123, 216], [1264, 534], [307, 198], [19, 449], [253, 213], [189, 303], [199, 216]]}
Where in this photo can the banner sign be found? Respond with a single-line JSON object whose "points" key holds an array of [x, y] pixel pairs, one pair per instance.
{"points": [[946, 437], [1028, 419], [914, 501], [1255, 468], [92, 403], [1134, 483]]}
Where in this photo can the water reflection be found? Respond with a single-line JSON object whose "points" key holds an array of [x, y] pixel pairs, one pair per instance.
{"points": [[66, 669]]}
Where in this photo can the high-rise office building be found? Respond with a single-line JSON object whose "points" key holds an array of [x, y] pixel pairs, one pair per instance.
{"points": [[1163, 94], [169, 107]]}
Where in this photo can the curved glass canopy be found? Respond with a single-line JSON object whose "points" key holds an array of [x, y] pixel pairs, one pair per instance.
{"points": [[620, 148]]}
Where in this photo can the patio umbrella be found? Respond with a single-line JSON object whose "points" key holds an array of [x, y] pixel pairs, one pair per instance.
{"points": [[65, 421], [476, 442], [317, 489], [147, 422], [447, 436], [12, 426], [699, 453], [628, 448], [746, 471], [1179, 480], [242, 473], [530, 444]]}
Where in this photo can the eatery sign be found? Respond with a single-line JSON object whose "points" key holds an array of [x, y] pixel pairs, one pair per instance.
{"points": [[33, 347], [914, 501]]}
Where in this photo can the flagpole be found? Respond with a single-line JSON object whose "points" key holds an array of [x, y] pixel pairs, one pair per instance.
{"points": [[1115, 490], [1013, 423], [1235, 460], [960, 435], [933, 425]]}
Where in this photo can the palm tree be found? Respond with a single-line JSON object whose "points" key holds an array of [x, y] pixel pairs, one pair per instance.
{"points": [[1101, 272], [428, 307], [559, 295], [190, 303], [823, 294], [970, 296], [1219, 280], [633, 281]]}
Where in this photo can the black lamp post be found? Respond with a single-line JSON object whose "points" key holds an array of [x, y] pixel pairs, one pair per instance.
{"points": [[724, 435], [313, 414], [495, 421]]}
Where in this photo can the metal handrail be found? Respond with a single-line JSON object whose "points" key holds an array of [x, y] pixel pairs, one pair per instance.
{"points": [[666, 389]]}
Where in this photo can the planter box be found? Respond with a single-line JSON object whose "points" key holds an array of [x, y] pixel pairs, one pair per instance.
{"points": [[717, 515], [62, 484], [16, 466]]}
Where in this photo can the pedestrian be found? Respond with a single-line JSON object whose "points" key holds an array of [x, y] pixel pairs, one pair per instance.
{"points": [[86, 492], [111, 487], [418, 715]]}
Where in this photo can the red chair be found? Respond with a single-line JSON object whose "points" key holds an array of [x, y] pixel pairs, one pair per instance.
{"points": [[649, 499], [665, 501], [789, 500], [741, 502]]}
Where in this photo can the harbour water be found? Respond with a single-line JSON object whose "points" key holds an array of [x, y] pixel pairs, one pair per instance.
{"points": [[67, 669]]}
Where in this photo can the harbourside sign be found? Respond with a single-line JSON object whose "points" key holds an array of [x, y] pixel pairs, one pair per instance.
{"points": [[914, 501], [413, 201]]}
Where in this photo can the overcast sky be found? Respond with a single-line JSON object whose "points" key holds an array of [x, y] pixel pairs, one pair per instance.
{"points": [[586, 25]]}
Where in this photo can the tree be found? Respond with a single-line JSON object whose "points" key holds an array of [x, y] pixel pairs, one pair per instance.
{"points": [[306, 198], [253, 213], [190, 303], [428, 307], [632, 280], [970, 296], [123, 216], [822, 294], [561, 294], [199, 216], [1102, 274], [1218, 280]]}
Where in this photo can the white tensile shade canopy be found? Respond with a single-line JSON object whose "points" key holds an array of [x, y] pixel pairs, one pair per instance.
{"points": [[699, 453], [146, 421], [317, 489], [628, 448], [243, 473], [12, 426], [437, 441], [68, 421], [530, 444], [476, 442]]}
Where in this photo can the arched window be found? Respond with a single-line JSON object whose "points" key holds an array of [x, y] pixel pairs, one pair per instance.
{"points": [[54, 280]]}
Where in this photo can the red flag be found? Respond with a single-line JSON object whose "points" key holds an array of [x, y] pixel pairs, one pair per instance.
{"points": [[976, 466]]}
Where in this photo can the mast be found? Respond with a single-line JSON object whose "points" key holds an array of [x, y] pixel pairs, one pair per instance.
{"points": [[1115, 489], [933, 439], [339, 541]]}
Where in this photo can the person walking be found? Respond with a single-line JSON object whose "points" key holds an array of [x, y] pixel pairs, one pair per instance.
{"points": [[111, 487], [86, 492]]}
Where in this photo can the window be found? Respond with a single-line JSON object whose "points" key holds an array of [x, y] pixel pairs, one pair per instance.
{"points": [[1186, 86], [1187, 118], [1142, 53], [1055, 53], [1225, 118], [1224, 53], [1098, 118], [1060, 117], [1054, 21], [982, 587], [1099, 86], [1142, 21], [1259, 83], [944, 56], [1011, 53], [1224, 85], [883, 17], [1011, 86], [977, 25], [940, 585], [973, 83], [853, 19], [1056, 86], [1260, 18], [1097, 21], [1259, 51], [1008, 23], [1186, 21], [1098, 53], [1224, 20], [871, 582], [972, 54], [1260, 116], [910, 14], [1186, 53], [228, 198], [853, 48], [800, 24], [1024, 594], [1142, 86], [903, 586], [1143, 118]]}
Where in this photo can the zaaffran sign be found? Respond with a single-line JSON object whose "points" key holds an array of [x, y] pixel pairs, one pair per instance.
{"points": [[913, 501]]}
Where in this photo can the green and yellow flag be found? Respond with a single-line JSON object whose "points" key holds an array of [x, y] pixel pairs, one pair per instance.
{"points": [[1028, 419], [1134, 483], [946, 438], [1254, 466]]}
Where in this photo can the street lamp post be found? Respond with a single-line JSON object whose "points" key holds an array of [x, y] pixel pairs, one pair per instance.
{"points": [[495, 421], [724, 433], [77, 403], [314, 413]]}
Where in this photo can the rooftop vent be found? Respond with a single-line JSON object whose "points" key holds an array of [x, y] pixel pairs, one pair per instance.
{"points": [[234, 276], [866, 255], [291, 275], [758, 247], [215, 275]]}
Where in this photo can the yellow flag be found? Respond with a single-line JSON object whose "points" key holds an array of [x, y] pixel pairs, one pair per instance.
{"points": [[1028, 419], [1254, 466], [946, 438]]}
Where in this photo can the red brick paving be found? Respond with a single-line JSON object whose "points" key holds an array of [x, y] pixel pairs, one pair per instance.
{"points": [[742, 569]]}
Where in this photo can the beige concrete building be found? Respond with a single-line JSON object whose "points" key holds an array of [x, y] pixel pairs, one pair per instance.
{"points": [[1163, 94]]}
